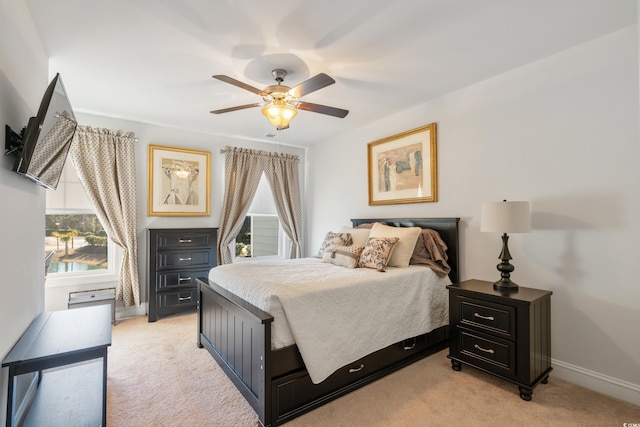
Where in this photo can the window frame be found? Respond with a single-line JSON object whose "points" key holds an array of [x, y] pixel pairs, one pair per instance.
{"points": [[114, 252], [282, 244]]}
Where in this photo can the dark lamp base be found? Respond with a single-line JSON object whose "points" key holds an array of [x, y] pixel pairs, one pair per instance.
{"points": [[505, 268], [505, 285]]}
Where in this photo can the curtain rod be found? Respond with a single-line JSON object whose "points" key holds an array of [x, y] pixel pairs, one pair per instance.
{"points": [[267, 153]]}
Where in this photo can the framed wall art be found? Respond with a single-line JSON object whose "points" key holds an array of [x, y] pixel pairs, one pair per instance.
{"points": [[178, 182], [402, 167]]}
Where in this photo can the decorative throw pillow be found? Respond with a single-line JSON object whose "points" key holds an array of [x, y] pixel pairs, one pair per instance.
{"points": [[344, 256], [377, 252], [407, 242], [358, 235], [334, 239]]}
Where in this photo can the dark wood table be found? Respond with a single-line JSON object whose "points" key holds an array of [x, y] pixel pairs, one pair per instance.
{"points": [[67, 351]]}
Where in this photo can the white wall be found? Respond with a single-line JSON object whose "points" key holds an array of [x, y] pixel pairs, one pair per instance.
{"points": [[56, 297], [562, 133], [23, 80]]}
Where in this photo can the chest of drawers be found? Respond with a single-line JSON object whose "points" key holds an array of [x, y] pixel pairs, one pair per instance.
{"points": [[505, 334], [176, 257]]}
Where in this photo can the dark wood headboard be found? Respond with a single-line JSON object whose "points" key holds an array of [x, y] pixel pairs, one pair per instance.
{"points": [[447, 227]]}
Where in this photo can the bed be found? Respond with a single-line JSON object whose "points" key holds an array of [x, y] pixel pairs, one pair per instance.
{"points": [[273, 377]]}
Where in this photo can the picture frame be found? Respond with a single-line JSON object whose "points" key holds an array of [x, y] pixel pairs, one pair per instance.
{"points": [[179, 182], [403, 167]]}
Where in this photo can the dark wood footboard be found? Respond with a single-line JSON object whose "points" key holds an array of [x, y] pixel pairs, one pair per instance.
{"points": [[275, 382], [238, 336]]}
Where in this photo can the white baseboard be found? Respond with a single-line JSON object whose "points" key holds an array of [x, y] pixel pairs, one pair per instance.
{"points": [[124, 312], [596, 381]]}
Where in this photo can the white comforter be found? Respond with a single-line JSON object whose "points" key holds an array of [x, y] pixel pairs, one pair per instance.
{"points": [[338, 315]]}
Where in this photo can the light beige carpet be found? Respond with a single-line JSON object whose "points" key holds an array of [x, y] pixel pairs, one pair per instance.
{"points": [[158, 377]]}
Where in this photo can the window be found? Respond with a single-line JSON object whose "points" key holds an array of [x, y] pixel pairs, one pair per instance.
{"points": [[79, 243], [83, 252], [261, 235]]}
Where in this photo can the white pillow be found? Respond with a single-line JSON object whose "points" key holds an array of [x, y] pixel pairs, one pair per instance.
{"points": [[359, 236], [404, 248]]}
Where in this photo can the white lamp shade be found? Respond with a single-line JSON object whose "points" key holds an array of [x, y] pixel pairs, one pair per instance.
{"points": [[505, 217]]}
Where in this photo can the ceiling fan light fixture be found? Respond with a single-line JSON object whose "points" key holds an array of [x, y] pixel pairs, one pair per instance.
{"points": [[279, 113]]}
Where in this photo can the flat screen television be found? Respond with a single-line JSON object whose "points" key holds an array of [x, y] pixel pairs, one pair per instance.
{"points": [[47, 138]]}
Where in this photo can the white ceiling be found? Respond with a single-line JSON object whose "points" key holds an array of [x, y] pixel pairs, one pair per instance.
{"points": [[152, 60]]}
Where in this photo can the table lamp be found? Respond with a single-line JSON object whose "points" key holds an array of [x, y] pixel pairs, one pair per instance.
{"points": [[505, 217]]}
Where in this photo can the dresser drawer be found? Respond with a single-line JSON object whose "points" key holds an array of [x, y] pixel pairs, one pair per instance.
{"points": [[178, 298], [182, 278], [488, 317], [184, 239], [179, 259], [492, 353]]}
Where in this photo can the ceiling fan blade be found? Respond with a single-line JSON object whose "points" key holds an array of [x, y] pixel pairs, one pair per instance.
{"points": [[323, 109], [240, 84], [239, 107], [311, 85]]}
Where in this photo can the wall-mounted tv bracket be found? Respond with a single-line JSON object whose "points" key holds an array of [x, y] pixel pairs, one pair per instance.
{"points": [[13, 142]]}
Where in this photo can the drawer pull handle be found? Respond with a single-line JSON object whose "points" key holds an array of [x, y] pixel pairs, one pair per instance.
{"points": [[484, 349], [185, 240], [359, 368], [411, 346], [184, 279], [484, 317], [184, 298], [185, 259]]}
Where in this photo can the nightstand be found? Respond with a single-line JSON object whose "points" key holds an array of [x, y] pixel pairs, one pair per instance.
{"points": [[507, 334]]}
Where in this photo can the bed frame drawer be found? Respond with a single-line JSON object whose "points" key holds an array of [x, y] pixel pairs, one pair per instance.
{"points": [[295, 393]]}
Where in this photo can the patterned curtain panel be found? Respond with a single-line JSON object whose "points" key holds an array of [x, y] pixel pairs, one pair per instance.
{"points": [[105, 164], [282, 173], [242, 170]]}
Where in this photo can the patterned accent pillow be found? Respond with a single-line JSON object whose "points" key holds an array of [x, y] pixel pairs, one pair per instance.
{"points": [[344, 256], [377, 252], [334, 239]]}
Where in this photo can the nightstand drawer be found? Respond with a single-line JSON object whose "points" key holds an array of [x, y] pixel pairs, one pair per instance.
{"points": [[494, 318], [488, 352], [185, 239], [197, 258]]}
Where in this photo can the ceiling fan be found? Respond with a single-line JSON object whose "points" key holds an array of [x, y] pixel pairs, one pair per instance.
{"points": [[281, 103]]}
